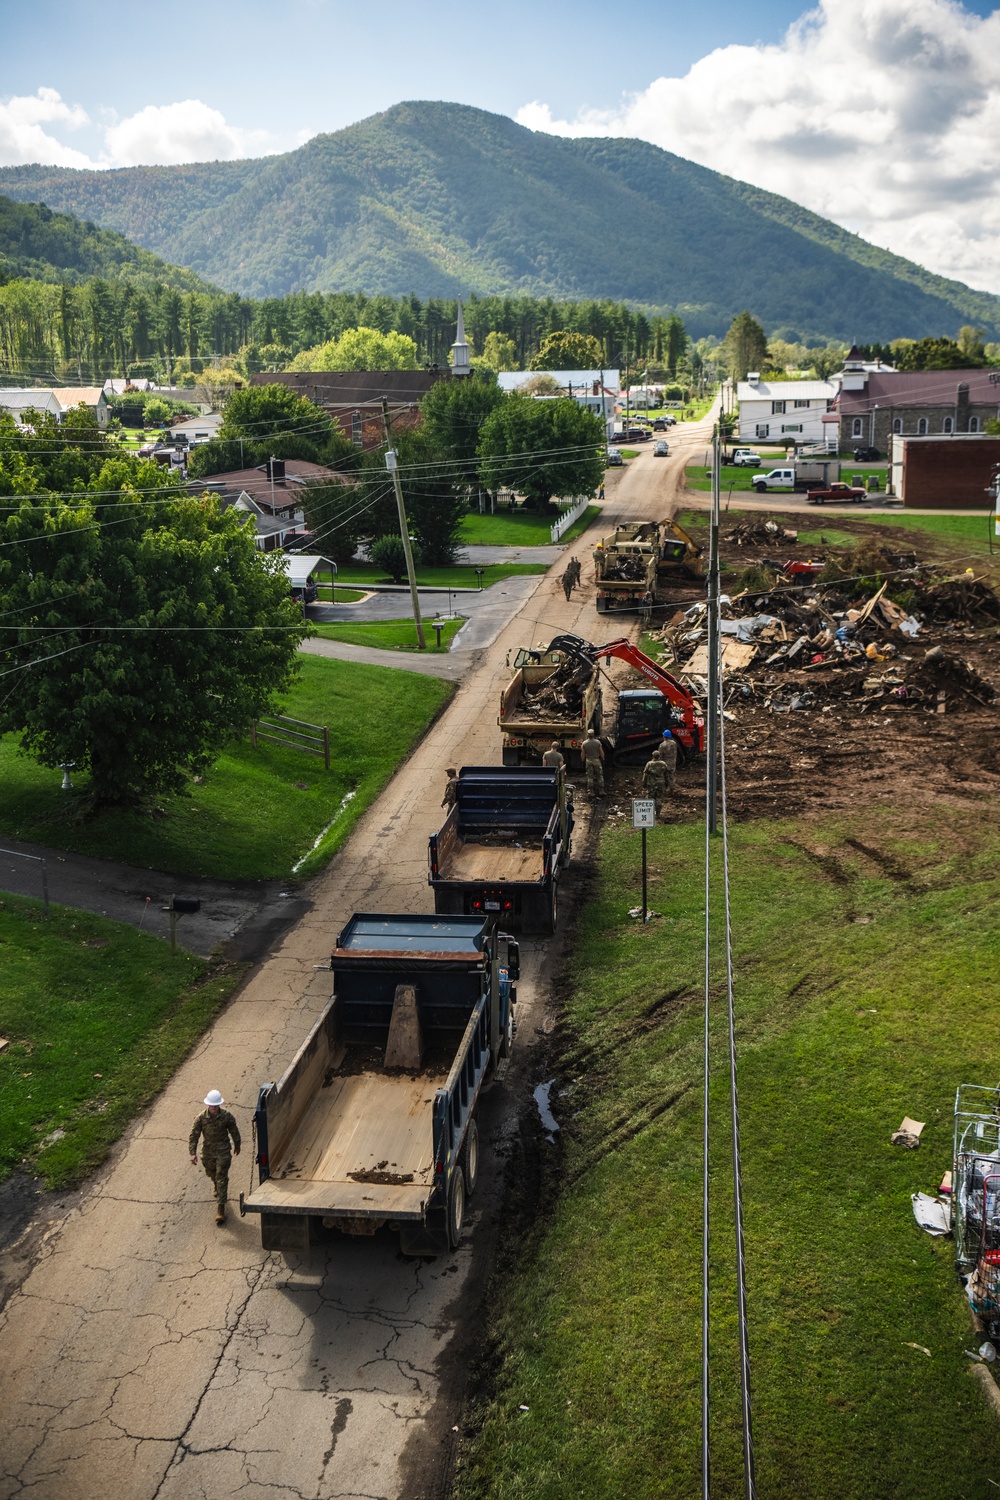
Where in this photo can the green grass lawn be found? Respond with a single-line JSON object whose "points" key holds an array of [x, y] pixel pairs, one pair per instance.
{"points": [[737, 478], [98, 1017], [862, 996], [441, 578], [258, 812], [975, 533], [390, 635], [519, 528], [326, 595]]}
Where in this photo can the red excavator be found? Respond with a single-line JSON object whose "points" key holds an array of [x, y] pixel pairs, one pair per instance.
{"points": [[643, 713]]}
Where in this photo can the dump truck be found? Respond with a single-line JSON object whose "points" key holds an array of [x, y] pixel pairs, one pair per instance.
{"points": [[639, 560], [373, 1122], [542, 703], [503, 846]]}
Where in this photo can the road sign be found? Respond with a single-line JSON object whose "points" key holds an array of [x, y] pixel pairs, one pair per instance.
{"points": [[643, 812]]}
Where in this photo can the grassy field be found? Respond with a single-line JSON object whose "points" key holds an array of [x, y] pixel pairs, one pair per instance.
{"points": [[98, 1017], [337, 595], [390, 635], [976, 533], [519, 528], [864, 982], [443, 578], [737, 479], [257, 812]]}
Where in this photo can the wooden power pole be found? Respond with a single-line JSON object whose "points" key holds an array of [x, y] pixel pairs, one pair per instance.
{"points": [[392, 465]]}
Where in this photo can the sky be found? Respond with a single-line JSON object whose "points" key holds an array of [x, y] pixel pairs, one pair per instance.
{"points": [[883, 115]]}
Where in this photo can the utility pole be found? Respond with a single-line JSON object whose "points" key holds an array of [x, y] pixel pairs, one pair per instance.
{"points": [[712, 767], [404, 531]]}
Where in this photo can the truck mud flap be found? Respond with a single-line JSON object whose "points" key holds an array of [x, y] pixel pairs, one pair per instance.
{"points": [[284, 1231], [429, 1238]]}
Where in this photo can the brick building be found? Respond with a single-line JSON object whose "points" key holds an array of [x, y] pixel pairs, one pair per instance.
{"points": [[874, 405], [354, 397], [944, 473]]}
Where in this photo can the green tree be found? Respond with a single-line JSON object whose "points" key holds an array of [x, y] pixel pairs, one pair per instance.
{"points": [[939, 354], [150, 627], [261, 421], [970, 341], [360, 349], [499, 352], [452, 413], [745, 346], [388, 555], [542, 448], [676, 342], [562, 350]]}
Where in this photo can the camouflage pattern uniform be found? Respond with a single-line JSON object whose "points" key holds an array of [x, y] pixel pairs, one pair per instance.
{"points": [[667, 752], [593, 758], [450, 792], [215, 1131], [567, 583], [654, 780]]}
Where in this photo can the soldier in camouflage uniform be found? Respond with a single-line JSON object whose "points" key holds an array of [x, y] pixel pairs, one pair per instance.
{"points": [[216, 1126], [451, 788]]}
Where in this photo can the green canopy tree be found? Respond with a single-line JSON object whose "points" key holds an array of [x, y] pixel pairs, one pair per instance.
{"points": [[542, 448], [941, 354], [745, 346], [452, 414], [149, 628], [360, 349], [563, 350], [261, 421]]}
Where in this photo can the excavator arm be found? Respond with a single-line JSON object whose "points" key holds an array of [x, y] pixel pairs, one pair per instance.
{"points": [[692, 734]]}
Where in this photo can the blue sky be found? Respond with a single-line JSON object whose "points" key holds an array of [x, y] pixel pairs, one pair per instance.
{"points": [[879, 114]]}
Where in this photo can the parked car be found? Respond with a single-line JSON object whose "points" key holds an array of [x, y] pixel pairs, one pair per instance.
{"points": [[660, 425], [745, 458], [638, 435], [866, 455], [661, 449], [614, 459]]}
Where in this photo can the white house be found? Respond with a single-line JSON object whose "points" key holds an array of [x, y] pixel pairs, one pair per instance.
{"points": [[17, 400], [90, 396], [784, 411]]}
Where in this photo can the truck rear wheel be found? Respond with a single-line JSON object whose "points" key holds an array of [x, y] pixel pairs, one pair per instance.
{"points": [[761, 489], [456, 1207], [507, 1040], [470, 1158], [553, 908]]}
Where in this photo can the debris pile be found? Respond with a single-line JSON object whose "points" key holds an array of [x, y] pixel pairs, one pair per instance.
{"points": [[795, 648], [559, 695], [754, 533], [625, 567]]}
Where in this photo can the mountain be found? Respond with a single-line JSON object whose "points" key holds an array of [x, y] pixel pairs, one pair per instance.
{"points": [[443, 199], [40, 245]]}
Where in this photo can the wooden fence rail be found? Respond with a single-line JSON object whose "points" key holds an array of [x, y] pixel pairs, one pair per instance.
{"points": [[311, 739]]}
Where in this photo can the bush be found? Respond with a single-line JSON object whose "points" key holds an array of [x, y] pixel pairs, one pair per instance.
{"points": [[387, 554]]}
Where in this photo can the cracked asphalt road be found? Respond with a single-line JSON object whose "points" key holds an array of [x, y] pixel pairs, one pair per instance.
{"points": [[147, 1354]]}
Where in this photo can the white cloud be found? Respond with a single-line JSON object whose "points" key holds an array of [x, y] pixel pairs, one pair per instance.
{"points": [[883, 115], [163, 134], [23, 138]]}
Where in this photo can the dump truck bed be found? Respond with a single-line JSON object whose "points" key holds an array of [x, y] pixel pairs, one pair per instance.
{"points": [[489, 862], [364, 1143]]}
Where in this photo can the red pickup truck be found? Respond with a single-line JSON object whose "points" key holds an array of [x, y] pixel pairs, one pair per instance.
{"points": [[837, 491]]}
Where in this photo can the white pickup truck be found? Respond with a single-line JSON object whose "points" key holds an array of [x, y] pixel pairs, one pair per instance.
{"points": [[777, 479], [745, 458]]}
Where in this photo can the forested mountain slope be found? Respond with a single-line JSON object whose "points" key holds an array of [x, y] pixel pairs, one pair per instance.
{"points": [[443, 199], [40, 245]]}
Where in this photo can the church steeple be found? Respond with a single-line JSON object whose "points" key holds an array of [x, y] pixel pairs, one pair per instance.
{"points": [[460, 364]]}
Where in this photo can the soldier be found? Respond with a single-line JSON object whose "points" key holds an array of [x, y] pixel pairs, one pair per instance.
{"points": [[577, 570], [215, 1125], [567, 583], [451, 788], [553, 757], [593, 759], [667, 751], [654, 780]]}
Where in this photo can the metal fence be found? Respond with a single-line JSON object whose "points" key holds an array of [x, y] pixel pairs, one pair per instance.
{"points": [[311, 739], [567, 518]]}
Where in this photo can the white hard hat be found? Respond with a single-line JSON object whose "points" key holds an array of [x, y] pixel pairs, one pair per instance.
{"points": [[213, 1098]]}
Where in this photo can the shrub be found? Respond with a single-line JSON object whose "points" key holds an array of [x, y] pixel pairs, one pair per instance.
{"points": [[387, 554]]}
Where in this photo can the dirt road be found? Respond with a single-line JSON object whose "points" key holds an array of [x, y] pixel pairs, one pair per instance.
{"points": [[150, 1354]]}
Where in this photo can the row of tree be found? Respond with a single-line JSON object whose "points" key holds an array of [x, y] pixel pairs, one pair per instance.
{"points": [[104, 327], [746, 347]]}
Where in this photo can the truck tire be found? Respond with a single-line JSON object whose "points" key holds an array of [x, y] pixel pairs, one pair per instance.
{"points": [[456, 1207], [470, 1158], [553, 912], [761, 489], [507, 1040]]}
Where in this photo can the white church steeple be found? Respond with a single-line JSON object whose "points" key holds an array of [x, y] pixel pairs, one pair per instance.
{"points": [[460, 364]]}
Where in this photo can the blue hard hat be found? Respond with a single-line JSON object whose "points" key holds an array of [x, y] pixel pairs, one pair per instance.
{"points": [[667, 734]]}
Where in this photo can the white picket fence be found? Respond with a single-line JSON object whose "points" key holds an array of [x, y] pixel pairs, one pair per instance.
{"points": [[567, 518]]}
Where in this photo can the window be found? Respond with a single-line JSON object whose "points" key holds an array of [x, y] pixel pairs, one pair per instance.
{"points": [[777, 408], [897, 425], [801, 405], [948, 425], [973, 424], [922, 427], [857, 428], [791, 426], [763, 430], [357, 435]]}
